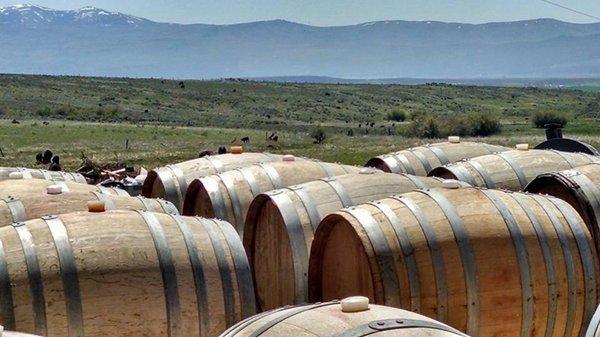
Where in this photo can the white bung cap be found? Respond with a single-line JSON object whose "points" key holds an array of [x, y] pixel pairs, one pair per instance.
{"points": [[15, 175], [522, 147], [451, 184], [288, 157], [355, 304], [96, 206], [454, 139], [54, 189]]}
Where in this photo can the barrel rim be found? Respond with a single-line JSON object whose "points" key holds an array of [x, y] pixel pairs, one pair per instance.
{"points": [[440, 170], [149, 182], [379, 163], [189, 202]]}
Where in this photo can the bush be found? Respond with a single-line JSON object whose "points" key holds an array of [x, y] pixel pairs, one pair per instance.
{"points": [[484, 124], [541, 118], [396, 116], [319, 135]]}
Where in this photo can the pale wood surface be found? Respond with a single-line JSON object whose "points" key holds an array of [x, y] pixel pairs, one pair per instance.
{"points": [[330, 321], [205, 195], [275, 244], [531, 163], [120, 284], [502, 273], [29, 173], [396, 162]]}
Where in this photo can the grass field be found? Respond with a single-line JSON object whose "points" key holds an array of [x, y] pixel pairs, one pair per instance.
{"points": [[95, 117]]}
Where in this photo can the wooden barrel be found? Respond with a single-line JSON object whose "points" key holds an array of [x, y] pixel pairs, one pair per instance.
{"points": [[123, 273], [352, 317], [15, 334], [511, 170], [593, 329], [421, 160], [280, 224], [27, 173], [171, 182], [27, 199], [227, 195], [580, 187], [486, 262]]}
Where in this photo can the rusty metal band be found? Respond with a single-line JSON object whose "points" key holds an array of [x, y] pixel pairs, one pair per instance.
{"points": [[168, 272], [234, 199], [181, 183], [198, 273], [565, 158], [68, 273], [569, 263], [516, 169], [7, 313], [543, 241], [309, 205], [167, 206], [295, 232], [327, 168], [147, 203], [483, 173], [216, 198], [250, 179], [16, 209], [216, 164], [467, 257], [422, 159], [588, 256], [242, 269], [272, 174], [291, 313], [108, 203], [392, 164], [25, 172], [522, 259], [211, 227], [383, 255], [408, 252], [439, 153], [594, 324], [340, 190], [401, 158], [437, 258], [415, 180], [378, 326], [461, 173], [36, 285]]}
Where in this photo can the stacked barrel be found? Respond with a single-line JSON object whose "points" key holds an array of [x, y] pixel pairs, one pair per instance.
{"points": [[454, 238]]}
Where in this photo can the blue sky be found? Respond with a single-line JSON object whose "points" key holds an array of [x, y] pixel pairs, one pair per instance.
{"points": [[334, 12]]}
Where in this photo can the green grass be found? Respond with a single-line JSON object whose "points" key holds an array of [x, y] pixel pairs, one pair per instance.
{"points": [[180, 122]]}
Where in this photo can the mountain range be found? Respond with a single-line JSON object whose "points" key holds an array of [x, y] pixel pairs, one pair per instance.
{"points": [[97, 42]]}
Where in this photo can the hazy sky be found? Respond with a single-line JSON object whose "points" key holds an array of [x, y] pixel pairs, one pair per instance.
{"points": [[334, 12]]}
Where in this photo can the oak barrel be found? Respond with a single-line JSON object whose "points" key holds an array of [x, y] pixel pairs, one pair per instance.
{"points": [[227, 195], [352, 317], [123, 273], [511, 170], [26, 199], [421, 160], [171, 182], [580, 187], [486, 262], [27, 173], [280, 224]]}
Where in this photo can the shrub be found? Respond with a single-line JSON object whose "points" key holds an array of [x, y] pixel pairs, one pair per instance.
{"points": [[430, 128], [396, 116], [319, 135], [541, 118], [484, 124]]}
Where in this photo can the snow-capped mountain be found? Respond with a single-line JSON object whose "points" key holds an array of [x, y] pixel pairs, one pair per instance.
{"points": [[33, 16], [91, 41]]}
